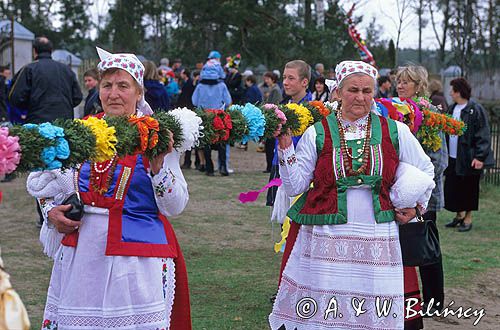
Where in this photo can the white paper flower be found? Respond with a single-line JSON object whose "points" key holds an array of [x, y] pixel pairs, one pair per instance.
{"points": [[192, 129]]}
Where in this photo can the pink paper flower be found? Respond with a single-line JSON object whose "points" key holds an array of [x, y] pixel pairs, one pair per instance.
{"points": [[9, 152], [281, 115]]}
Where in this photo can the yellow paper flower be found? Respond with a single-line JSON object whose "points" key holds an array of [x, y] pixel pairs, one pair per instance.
{"points": [[305, 117], [105, 138]]}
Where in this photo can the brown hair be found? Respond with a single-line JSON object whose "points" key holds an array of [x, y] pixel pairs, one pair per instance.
{"points": [[150, 71], [435, 86], [303, 69], [271, 75], [461, 86], [93, 73]]}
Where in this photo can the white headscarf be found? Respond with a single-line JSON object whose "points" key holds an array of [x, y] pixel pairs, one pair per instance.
{"points": [[346, 68], [129, 63]]}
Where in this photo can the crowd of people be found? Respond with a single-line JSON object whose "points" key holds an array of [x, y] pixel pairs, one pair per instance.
{"points": [[344, 239]]}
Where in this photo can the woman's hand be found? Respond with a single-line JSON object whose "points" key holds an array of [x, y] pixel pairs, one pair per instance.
{"points": [[63, 224], [477, 164], [405, 215], [285, 139], [157, 162]]}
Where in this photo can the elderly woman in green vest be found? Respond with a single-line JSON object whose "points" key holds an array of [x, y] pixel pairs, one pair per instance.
{"points": [[343, 255]]}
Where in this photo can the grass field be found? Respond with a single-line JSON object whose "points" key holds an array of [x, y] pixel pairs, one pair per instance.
{"points": [[229, 250]]}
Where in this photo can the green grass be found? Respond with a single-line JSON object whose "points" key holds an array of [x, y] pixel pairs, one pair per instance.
{"points": [[229, 250]]}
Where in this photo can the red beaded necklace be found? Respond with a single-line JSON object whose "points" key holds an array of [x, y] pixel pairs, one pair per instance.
{"points": [[345, 150]]}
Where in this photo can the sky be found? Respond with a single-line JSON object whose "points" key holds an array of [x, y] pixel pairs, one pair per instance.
{"points": [[385, 13]]}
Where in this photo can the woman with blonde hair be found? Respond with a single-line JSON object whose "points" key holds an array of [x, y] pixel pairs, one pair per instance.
{"points": [[412, 82]]}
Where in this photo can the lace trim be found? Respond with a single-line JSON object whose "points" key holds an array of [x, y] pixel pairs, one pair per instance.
{"points": [[168, 286]]}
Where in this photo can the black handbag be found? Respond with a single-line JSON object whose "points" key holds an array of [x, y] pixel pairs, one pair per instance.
{"points": [[419, 243], [76, 212]]}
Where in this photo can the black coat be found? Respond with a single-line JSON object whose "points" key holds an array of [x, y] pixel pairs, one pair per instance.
{"points": [[47, 89], [93, 104], [3, 100], [185, 99], [475, 142]]}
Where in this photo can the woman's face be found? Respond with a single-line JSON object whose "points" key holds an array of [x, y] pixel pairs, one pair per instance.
{"points": [[119, 94], [320, 88], [455, 96], [357, 96], [268, 81], [406, 88]]}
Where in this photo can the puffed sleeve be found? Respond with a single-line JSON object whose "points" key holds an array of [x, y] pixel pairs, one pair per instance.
{"points": [[411, 152], [170, 186], [297, 167]]}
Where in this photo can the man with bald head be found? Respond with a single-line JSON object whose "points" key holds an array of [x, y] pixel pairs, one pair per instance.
{"points": [[45, 88]]}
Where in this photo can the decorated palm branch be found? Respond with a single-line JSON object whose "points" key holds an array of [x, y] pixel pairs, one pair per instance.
{"points": [[67, 143]]}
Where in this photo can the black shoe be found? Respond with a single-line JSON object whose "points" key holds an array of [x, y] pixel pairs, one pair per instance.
{"points": [[185, 166], [455, 222], [197, 166], [266, 171], [210, 173], [223, 171], [202, 168], [464, 227]]}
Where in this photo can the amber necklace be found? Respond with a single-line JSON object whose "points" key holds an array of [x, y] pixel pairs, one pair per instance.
{"points": [[98, 169], [345, 150]]}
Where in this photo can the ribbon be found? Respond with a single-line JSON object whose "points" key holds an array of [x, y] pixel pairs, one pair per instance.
{"points": [[251, 196], [144, 125]]}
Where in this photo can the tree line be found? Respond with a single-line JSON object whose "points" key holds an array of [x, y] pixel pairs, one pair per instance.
{"points": [[262, 31]]}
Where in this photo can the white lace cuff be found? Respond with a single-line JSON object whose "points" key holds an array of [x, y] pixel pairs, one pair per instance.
{"points": [[46, 205]]}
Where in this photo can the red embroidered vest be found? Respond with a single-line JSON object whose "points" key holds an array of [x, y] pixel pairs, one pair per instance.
{"points": [[326, 202]]}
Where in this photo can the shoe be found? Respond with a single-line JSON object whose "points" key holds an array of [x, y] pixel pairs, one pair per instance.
{"points": [[454, 223], [464, 227], [230, 170], [210, 173], [266, 171], [202, 168], [223, 171], [185, 167], [243, 147]]}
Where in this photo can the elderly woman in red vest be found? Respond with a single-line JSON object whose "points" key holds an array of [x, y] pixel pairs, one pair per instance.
{"points": [[120, 266], [343, 255]]}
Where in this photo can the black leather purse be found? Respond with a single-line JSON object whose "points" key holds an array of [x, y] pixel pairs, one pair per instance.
{"points": [[419, 243], [76, 212]]}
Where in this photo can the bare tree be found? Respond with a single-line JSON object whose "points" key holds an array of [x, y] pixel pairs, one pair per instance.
{"points": [[443, 5]]}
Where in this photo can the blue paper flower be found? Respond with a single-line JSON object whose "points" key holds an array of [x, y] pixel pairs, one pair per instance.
{"points": [[30, 126], [54, 165], [62, 148], [256, 122], [48, 155], [235, 107], [49, 131]]}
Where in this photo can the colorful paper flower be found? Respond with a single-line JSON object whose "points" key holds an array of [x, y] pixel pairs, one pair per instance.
{"points": [[105, 138], [192, 128], [304, 117], [256, 123], [9, 152]]}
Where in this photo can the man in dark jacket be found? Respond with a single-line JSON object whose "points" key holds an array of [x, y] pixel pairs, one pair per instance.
{"points": [[46, 88], [3, 99]]}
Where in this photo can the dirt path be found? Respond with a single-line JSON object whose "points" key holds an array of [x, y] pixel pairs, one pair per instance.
{"points": [[481, 293]]}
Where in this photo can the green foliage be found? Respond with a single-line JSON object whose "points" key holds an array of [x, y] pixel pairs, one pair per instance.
{"points": [[292, 119], [240, 126], [126, 134], [317, 116], [208, 129], [80, 139], [32, 143], [168, 123], [272, 122]]}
